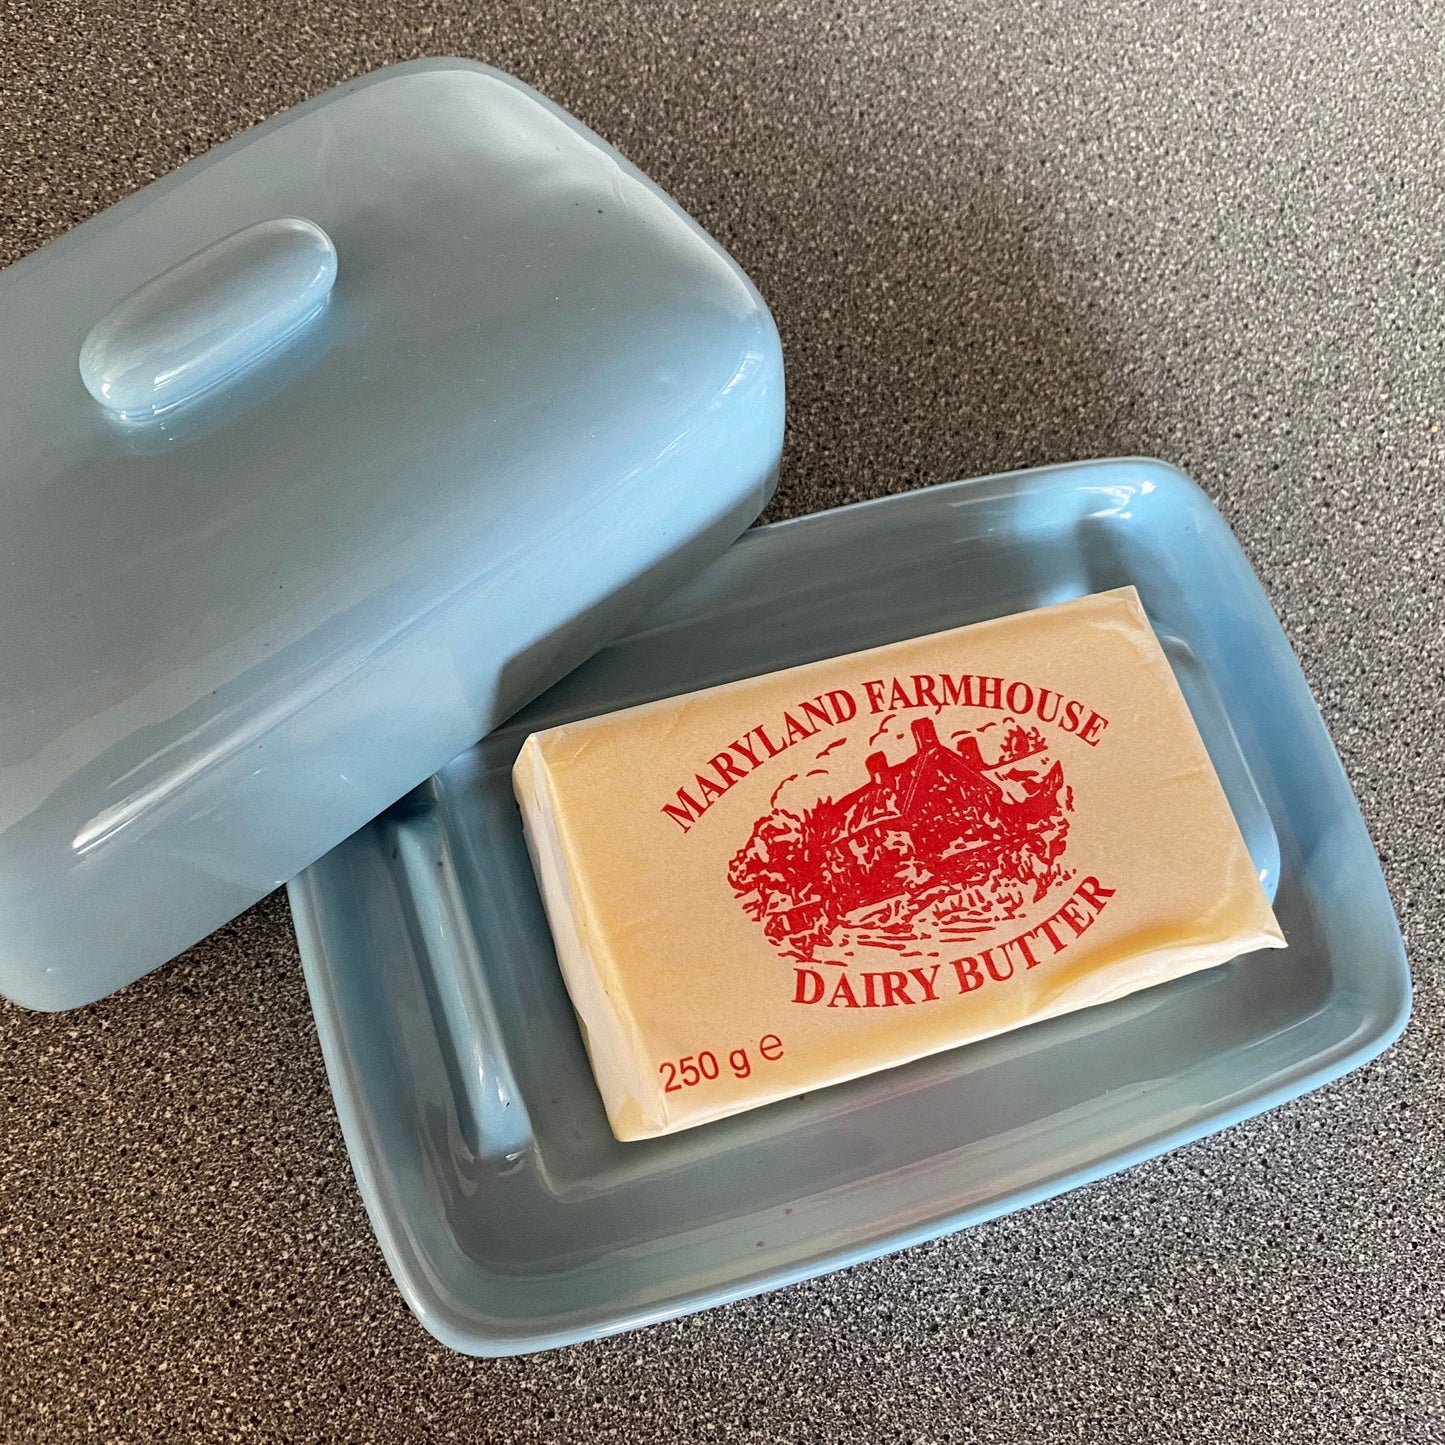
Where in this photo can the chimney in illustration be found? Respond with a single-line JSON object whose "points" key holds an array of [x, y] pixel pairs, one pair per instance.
{"points": [[925, 735]]}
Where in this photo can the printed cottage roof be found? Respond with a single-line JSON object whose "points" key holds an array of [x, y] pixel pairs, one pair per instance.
{"points": [[894, 791]]}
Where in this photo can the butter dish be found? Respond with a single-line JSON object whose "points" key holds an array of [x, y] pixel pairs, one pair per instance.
{"points": [[332, 460]]}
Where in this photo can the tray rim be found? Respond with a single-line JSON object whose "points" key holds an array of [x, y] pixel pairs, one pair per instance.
{"points": [[460, 1329]]}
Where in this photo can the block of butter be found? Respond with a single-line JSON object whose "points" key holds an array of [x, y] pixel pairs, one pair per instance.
{"points": [[766, 887]]}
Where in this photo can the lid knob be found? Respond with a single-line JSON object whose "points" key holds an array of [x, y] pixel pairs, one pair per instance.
{"points": [[209, 317]]}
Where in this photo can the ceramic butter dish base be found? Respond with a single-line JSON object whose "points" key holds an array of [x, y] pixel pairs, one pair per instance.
{"points": [[511, 1216]]}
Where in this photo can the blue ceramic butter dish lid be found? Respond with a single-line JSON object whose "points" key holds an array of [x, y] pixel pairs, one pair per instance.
{"points": [[323, 455]]}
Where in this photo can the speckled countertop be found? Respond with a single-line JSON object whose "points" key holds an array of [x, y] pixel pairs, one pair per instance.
{"points": [[993, 235]]}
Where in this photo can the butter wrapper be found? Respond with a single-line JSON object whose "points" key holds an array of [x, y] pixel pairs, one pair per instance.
{"points": [[785, 882]]}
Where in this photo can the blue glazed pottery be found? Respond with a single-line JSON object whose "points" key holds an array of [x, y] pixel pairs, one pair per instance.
{"points": [[322, 456], [327, 454]]}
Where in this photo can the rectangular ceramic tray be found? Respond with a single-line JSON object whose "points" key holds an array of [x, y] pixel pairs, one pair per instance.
{"points": [[511, 1217]]}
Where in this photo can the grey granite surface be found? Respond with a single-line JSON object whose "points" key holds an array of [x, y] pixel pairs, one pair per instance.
{"points": [[999, 234]]}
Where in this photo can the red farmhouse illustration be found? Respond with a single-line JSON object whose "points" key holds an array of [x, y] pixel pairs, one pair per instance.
{"points": [[940, 836]]}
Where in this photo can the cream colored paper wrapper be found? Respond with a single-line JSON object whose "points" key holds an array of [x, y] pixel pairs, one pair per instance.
{"points": [[762, 888]]}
